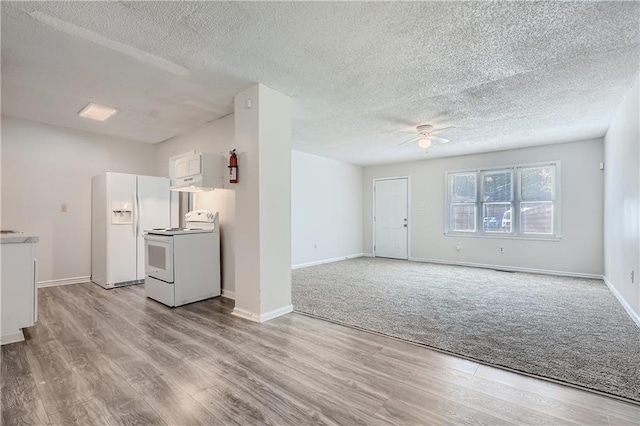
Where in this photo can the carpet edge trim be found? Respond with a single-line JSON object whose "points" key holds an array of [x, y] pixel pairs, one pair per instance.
{"points": [[470, 358]]}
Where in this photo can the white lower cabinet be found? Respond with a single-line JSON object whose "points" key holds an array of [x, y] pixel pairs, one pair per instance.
{"points": [[18, 292]]}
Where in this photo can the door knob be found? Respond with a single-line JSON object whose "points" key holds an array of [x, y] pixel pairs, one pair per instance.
{"points": [[405, 225]]}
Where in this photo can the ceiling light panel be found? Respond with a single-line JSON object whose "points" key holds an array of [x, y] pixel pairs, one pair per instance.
{"points": [[97, 112]]}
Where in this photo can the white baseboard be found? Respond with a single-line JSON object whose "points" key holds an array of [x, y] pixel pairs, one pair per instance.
{"points": [[276, 313], [320, 262], [509, 268], [367, 254], [14, 337], [634, 316], [252, 316], [63, 281], [241, 313], [229, 294]]}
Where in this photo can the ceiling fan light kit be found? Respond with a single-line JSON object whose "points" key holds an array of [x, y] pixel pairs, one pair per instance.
{"points": [[424, 142], [425, 136]]}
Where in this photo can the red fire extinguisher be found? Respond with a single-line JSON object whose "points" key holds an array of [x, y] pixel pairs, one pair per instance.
{"points": [[233, 167]]}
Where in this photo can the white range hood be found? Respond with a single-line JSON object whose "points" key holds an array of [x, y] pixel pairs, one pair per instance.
{"points": [[198, 173]]}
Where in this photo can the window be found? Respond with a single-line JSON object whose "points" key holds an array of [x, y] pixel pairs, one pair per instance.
{"points": [[506, 201], [463, 202], [497, 200], [537, 196]]}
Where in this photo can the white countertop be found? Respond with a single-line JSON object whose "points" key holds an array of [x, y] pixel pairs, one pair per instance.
{"points": [[14, 237]]}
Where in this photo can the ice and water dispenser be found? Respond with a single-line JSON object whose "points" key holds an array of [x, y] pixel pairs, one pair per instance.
{"points": [[121, 213]]}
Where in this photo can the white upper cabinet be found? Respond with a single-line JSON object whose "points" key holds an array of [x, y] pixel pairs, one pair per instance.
{"points": [[189, 166], [199, 172]]}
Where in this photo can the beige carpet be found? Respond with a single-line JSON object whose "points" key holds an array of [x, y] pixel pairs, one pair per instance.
{"points": [[567, 329]]}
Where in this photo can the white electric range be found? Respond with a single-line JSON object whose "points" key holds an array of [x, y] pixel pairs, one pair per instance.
{"points": [[182, 265]]}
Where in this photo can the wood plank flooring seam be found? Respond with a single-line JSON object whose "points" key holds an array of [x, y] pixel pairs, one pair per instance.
{"points": [[581, 393], [480, 362], [517, 403], [68, 318], [198, 365], [492, 412], [477, 367], [188, 361]]}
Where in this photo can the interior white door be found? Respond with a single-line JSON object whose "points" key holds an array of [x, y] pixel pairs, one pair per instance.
{"points": [[153, 206], [391, 218]]}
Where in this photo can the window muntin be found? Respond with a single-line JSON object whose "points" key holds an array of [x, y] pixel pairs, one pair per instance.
{"points": [[537, 183], [511, 201], [463, 211], [496, 199], [496, 217], [536, 218], [537, 195], [463, 217], [463, 188]]}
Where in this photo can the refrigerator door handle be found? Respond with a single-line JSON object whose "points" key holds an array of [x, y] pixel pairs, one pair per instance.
{"points": [[135, 214], [139, 208]]}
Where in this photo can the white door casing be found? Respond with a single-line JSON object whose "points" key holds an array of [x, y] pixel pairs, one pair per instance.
{"points": [[391, 220]]}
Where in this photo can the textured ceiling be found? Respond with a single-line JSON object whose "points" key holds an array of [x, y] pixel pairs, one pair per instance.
{"points": [[504, 74]]}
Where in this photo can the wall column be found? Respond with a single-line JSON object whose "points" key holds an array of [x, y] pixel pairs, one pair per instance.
{"points": [[263, 204]]}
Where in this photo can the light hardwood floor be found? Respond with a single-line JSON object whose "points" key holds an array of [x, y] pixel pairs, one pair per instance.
{"points": [[113, 357]]}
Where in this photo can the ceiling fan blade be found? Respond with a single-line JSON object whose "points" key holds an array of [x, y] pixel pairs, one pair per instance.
{"points": [[415, 138], [443, 129], [438, 140]]}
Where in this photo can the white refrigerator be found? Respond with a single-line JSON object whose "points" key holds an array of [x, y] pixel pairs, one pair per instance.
{"points": [[122, 207]]}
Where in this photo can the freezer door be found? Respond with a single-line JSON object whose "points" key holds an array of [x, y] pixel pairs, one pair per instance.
{"points": [[152, 211], [121, 239]]}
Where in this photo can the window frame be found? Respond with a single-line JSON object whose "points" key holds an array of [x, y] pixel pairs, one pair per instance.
{"points": [[516, 201], [481, 203], [464, 203]]}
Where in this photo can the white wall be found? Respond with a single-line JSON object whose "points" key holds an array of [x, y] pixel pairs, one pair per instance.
{"points": [[579, 251], [44, 166], [326, 209], [274, 167], [216, 137], [622, 201], [263, 201]]}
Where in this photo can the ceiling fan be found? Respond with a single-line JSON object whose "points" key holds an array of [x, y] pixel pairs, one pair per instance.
{"points": [[425, 136]]}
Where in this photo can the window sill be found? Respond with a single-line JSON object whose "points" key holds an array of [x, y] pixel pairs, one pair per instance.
{"points": [[551, 238]]}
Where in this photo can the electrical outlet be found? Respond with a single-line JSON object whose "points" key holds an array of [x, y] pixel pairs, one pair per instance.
{"points": [[458, 246], [64, 208], [501, 249], [315, 246]]}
